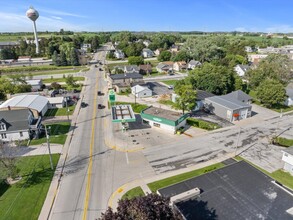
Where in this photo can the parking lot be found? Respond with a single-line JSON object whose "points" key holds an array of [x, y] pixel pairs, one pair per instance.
{"points": [[158, 88]]}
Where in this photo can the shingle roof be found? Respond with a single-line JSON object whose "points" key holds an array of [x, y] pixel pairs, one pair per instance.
{"points": [[244, 67], [289, 92], [126, 76], [36, 102], [131, 68], [139, 88], [201, 95], [15, 119], [194, 62], [228, 102], [239, 95]]}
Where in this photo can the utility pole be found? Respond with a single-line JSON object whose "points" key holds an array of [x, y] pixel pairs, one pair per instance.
{"points": [[67, 110], [135, 95], [48, 144]]}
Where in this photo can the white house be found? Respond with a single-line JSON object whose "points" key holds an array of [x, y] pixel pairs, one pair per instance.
{"points": [[119, 54], [289, 93], [179, 66], [36, 84], [158, 51], [248, 49], [193, 64], [165, 67], [18, 124], [288, 159], [56, 102], [241, 69], [141, 91], [147, 53], [146, 43], [85, 47]]}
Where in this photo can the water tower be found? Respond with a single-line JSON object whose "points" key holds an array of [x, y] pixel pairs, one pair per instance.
{"points": [[33, 15]]}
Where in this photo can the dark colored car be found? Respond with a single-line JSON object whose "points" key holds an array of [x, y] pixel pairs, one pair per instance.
{"points": [[100, 69], [99, 93], [83, 105], [100, 106]]}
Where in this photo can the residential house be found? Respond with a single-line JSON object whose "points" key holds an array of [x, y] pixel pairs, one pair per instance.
{"points": [[228, 108], [120, 82], [18, 124], [174, 48], [165, 67], [85, 47], [179, 66], [141, 91], [158, 51], [288, 159], [36, 84], [241, 69], [145, 69], [289, 93], [131, 69], [193, 64], [146, 43], [255, 58], [248, 49], [240, 96], [146, 53], [8, 45], [119, 54]]}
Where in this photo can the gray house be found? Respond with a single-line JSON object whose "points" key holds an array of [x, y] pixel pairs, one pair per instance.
{"points": [[228, 108], [18, 124], [240, 96]]}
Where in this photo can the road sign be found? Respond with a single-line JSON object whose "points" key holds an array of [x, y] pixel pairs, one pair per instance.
{"points": [[112, 96]]}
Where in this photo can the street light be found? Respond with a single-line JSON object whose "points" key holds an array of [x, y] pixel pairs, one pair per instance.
{"points": [[48, 144]]}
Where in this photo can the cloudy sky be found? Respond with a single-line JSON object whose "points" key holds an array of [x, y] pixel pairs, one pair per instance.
{"points": [[149, 15]]}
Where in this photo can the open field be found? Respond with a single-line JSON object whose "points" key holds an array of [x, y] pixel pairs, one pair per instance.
{"points": [[24, 199]]}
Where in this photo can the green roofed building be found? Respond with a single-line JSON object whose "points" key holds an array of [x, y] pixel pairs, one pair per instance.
{"points": [[164, 119]]}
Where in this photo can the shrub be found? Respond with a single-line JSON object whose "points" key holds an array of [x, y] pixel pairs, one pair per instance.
{"points": [[202, 124]]}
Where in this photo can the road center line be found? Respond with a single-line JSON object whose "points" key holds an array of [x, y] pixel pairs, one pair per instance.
{"points": [[127, 160], [89, 171]]}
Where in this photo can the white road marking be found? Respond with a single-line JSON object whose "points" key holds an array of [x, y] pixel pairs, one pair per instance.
{"points": [[127, 160]]}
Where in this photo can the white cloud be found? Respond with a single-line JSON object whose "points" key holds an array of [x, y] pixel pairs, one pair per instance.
{"points": [[60, 13], [56, 17]]}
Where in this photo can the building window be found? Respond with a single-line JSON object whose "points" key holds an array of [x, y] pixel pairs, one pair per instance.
{"points": [[3, 136], [157, 125], [2, 127], [21, 134]]}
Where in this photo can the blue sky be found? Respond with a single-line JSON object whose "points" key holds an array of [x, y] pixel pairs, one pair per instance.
{"points": [[149, 15]]}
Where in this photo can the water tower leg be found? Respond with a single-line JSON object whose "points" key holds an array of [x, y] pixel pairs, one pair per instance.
{"points": [[36, 38]]}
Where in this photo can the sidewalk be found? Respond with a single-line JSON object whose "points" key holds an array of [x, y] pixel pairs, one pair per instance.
{"points": [[39, 150], [142, 182], [52, 192]]}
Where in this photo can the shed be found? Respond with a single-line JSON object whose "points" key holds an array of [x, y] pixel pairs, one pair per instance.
{"points": [[56, 102], [141, 91]]}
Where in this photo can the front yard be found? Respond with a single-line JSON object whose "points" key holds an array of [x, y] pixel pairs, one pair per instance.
{"points": [[24, 199], [60, 111], [57, 133]]}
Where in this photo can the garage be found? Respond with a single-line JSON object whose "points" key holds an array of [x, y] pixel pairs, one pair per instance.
{"points": [[163, 119]]}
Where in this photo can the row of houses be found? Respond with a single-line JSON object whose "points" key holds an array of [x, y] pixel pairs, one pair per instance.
{"points": [[170, 66], [21, 116]]}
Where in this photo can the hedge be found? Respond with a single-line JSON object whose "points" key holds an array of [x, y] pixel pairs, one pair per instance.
{"points": [[202, 124]]}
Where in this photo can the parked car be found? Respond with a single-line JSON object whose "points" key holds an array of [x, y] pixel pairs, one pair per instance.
{"points": [[99, 93], [100, 106], [83, 105]]}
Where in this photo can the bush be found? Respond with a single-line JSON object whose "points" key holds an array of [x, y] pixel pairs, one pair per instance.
{"points": [[202, 124]]}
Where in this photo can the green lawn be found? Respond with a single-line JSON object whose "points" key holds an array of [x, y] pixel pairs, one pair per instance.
{"points": [[58, 80], [279, 175], [166, 102], [60, 111], [154, 186], [58, 134], [24, 200], [135, 192], [195, 122], [283, 142], [137, 108], [170, 82]]}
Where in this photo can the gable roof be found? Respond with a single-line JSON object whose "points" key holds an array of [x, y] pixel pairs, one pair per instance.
{"points": [[228, 102], [139, 88], [145, 67], [244, 68], [288, 150], [131, 68], [201, 94], [194, 62], [147, 50], [239, 95], [15, 120], [289, 92]]}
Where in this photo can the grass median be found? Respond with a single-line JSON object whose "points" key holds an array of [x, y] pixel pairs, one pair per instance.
{"points": [[24, 199], [135, 192], [58, 134]]}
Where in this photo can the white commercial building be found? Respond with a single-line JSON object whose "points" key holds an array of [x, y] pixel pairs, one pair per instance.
{"points": [[141, 91], [288, 159], [36, 103], [164, 119]]}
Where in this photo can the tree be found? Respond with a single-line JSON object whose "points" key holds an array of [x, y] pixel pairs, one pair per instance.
{"points": [[55, 85], [55, 59], [274, 66], [70, 81], [164, 56], [110, 55], [271, 92], [135, 60], [186, 96], [152, 206], [74, 57], [218, 80], [63, 60], [181, 56]]}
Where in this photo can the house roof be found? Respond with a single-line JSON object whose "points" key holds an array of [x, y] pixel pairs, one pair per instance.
{"points": [[163, 65], [139, 88], [239, 95], [228, 102], [194, 62], [131, 68], [145, 67], [201, 95], [56, 100], [181, 63], [289, 92], [147, 50], [36, 102], [34, 82], [15, 120], [288, 150], [126, 76], [162, 113], [244, 67]]}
